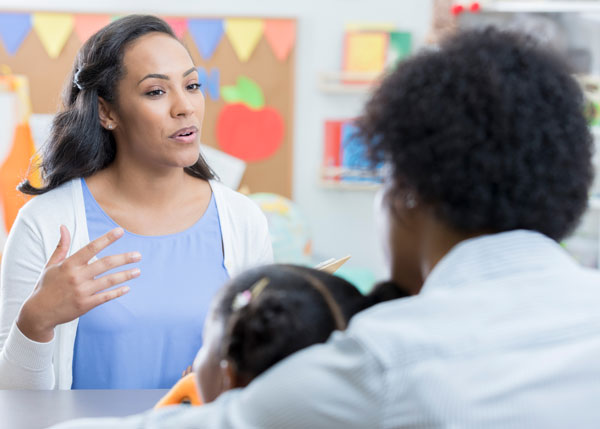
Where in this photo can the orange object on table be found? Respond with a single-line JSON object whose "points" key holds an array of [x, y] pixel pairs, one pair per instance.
{"points": [[184, 391]]}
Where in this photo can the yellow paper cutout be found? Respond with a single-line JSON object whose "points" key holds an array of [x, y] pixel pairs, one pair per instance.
{"points": [[244, 35], [365, 52], [54, 30]]}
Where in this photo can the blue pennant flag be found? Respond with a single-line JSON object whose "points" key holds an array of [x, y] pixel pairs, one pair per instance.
{"points": [[207, 34], [14, 27]]}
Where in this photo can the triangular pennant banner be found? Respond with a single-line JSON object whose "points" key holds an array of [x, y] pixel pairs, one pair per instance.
{"points": [[281, 36], [244, 35], [207, 34], [179, 26], [86, 25], [14, 27], [54, 30]]}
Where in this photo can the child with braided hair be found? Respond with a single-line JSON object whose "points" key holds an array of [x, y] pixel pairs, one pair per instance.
{"points": [[264, 315]]}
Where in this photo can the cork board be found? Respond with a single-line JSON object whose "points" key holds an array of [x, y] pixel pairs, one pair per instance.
{"points": [[274, 76]]}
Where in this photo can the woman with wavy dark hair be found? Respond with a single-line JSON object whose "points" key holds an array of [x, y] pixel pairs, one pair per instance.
{"points": [[122, 163]]}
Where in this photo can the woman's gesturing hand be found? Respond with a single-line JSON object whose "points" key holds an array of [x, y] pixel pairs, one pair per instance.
{"points": [[68, 288]]}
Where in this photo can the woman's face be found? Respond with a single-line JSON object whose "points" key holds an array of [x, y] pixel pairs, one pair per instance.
{"points": [[159, 112]]}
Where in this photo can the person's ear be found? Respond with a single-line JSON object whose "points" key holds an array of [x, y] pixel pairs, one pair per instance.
{"points": [[231, 379], [106, 114]]}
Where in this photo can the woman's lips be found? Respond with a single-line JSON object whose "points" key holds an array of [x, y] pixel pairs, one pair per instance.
{"points": [[185, 138], [185, 135]]}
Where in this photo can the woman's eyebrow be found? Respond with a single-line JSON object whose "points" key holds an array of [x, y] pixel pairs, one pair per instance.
{"points": [[164, 76]]}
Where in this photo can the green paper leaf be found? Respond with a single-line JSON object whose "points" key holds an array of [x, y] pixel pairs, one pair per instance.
{"points": [[230, 94], [250, 93]]}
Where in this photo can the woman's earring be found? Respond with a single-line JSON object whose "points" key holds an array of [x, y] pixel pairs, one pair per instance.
{"points": [[110, 126]]}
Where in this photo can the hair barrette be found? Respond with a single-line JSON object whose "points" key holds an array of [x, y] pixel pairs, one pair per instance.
{"points": [[242, 299], [76, 80]]}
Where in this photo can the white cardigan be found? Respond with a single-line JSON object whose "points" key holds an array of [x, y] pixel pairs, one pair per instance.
{"points": [[26, 364]]}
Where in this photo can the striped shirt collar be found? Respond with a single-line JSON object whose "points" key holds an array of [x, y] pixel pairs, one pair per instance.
{"points": [[493, 256]]}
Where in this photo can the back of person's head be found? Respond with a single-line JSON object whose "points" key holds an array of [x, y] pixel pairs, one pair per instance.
{"points": [[489, 131], [276, 310]]}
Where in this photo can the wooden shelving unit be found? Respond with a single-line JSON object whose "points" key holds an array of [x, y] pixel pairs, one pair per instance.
{"points": [[346, 82], [333, 178]]}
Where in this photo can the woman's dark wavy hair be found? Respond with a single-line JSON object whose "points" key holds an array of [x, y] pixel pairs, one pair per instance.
{"points": [[78, 145], [489, 131], [297, 308]]}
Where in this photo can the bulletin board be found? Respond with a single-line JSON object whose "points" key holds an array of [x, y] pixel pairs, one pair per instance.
{"points": [[246, 68]]}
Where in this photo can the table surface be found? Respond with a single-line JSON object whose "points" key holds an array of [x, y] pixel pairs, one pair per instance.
{"points": [[35, 409]]}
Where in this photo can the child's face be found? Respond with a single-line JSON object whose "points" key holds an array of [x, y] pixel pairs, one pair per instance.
{"points": [[212, 379]]}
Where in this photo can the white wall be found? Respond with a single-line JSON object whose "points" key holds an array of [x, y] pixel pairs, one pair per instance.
{"points": [[342, 222]]}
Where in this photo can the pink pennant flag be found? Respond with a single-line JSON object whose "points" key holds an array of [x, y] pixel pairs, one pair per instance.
{"points": [[87, 25], [281, 36], [179, 26]]}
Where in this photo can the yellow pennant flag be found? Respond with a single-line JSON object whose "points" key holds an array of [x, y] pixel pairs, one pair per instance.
{"points": [[54, 30], [244, 35]]}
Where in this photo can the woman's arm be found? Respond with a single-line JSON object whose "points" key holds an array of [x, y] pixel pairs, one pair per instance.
{"points": [[65, 289], [24, 364]]}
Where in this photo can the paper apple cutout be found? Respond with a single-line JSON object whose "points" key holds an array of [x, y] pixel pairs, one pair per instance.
{"points": [[251, 135], [246, 128]]}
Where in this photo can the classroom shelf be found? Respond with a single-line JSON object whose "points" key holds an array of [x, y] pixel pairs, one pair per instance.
{"points": [[330, 178], [539, 6], [337, 82]]}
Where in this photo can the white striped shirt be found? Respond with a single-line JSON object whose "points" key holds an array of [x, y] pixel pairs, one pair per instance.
{"points": [[505, 333]]}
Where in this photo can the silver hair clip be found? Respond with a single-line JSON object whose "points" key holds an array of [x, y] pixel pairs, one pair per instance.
{"points": [[242, 299], [76, 79]]}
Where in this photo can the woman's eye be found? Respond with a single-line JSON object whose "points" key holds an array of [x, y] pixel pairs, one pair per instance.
{"points": [[194, 86], [155, 93]]}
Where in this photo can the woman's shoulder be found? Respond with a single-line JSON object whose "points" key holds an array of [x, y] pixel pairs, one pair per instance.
{"points": [[233, 200], [58, 202]]}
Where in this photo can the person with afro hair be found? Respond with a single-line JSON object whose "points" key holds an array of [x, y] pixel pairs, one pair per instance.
{"points": [[488, 164]]}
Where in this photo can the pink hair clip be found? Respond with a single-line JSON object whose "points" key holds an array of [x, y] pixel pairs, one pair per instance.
{"points": [[242, 299]]}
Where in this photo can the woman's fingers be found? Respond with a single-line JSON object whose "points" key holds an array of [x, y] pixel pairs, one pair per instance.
{"points": [[83, 255], [110, 280], [60, 253], [104, 297], [109, 262]]}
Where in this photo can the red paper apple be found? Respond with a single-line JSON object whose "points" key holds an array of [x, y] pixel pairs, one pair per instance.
{"points": [[246, 128]]}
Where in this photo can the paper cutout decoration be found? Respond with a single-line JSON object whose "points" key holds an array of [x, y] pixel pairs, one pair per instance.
{"points": [[365, 51], [251, 135], [247, 129], [16, 148], [207, 34], [14, 27], [13, 170], [179, 26], [245, 91], [54, 30], [209, 82], [87, 25], [281, 36], [244, 35]]}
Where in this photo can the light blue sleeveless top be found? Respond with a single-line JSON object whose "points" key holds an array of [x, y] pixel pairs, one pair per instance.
{"points": [[146, 338]]}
